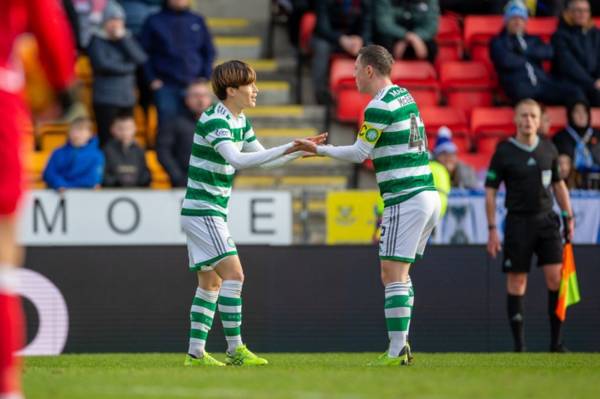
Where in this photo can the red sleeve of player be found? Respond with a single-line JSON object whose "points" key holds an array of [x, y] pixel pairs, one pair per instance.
{"points": [[47, 21]]}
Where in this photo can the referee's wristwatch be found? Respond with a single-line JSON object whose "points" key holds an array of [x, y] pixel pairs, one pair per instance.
{"points": [[491, 227]]}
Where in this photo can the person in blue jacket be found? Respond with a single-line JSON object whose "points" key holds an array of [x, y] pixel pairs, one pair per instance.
{"points": [[180, 50], [576, 43], [518, 59], [77, 164]]}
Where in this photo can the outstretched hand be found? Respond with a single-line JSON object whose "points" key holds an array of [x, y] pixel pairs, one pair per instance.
{"points": [[318, 139], [308, 144], [304, 145]]}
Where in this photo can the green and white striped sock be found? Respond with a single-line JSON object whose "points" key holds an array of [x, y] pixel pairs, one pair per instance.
{"points": [[230, 309], [201, 316], [399, 299]]}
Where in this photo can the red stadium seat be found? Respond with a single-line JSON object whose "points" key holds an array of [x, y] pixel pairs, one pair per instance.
{"points": [[490, 125], [350, 105], [341, 75], [307, 27], [449, 40], [448, 31], [467, 84], [597, 21], [420, 78], [479, 29], [453, 118], [543, 27], [558, 119]]}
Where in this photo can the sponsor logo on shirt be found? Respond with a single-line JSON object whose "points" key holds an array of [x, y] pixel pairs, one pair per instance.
{"points": [[223, 133]]}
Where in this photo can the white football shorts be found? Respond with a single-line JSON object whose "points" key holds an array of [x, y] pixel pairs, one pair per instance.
{"points": [[208, 241], [406, 227]]}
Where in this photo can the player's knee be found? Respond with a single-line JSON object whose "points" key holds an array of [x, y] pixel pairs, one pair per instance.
{"points": [[517, 284], [237, 275]]}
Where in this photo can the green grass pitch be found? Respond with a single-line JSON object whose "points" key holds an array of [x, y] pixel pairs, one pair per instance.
{"points": [[315, 376]]}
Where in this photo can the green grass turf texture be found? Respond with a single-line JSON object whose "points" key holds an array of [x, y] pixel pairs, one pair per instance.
{"points": [[315, 376]]}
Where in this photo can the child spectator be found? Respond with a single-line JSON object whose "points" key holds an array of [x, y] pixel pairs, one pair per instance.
{"points": [[77, 164], [461, 174], [125, 159], [114, 55]]}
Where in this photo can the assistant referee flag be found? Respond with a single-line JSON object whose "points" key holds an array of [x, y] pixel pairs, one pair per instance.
{"points": [[569, 288]]}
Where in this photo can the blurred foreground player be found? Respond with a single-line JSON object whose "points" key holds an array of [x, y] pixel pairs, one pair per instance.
{"points": [[528, 166], [46, 21]]}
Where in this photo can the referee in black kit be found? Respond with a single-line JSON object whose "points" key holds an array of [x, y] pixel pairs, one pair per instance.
{"points": [[528, 166]]}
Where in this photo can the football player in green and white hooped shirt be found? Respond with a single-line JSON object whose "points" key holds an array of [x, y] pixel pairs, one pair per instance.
{"points": [[393, 135], [223, 142]]}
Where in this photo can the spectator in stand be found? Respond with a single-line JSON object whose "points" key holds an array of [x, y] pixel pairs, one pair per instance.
{"points": [[342, 27], [545, 124], [89, 19], [518, 58], [579, 146], [77, 164], [181, 50], [295, 10], [407, 28], [125, 159], [175, 138], [137, 11], [566, 171], [114, 55], [576, 45], [445, 152]]}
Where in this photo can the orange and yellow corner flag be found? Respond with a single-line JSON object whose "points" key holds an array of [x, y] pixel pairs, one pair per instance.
{"points": [[569, 288]]}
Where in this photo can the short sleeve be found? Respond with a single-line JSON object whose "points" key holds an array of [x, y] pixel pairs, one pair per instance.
{"points": [[495, 173], [215, 131]]}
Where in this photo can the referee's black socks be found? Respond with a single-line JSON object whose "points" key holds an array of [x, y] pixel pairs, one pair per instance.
{"points": [[555, 323], [515, 317]]}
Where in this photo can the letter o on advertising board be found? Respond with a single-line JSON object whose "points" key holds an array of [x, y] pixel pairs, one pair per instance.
{"points": [[112, 209], [52, 312]]}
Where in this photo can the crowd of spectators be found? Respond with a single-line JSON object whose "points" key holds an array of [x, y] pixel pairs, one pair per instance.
{"points": [[161, 51], [140, 51]]}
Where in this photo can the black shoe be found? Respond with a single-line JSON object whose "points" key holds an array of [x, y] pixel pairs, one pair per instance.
{"points": [[560, 348]]}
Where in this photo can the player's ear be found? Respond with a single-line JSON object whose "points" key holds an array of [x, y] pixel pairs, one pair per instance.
{"points": [[230, 91]]}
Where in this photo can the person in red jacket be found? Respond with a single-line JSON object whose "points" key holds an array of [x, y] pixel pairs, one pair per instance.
{"points": [[46, 20]]}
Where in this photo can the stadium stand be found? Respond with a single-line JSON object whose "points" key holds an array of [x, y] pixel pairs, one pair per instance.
{"points": [[449, 40], [467, 84], [459, 91]]}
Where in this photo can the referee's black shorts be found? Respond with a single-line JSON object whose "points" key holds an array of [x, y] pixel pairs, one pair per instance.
{"points": [[525, 235]]}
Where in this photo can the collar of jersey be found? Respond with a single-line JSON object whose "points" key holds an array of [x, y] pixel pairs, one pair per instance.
{"points": [[382, 92], [228, 113], [525, 147]]}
